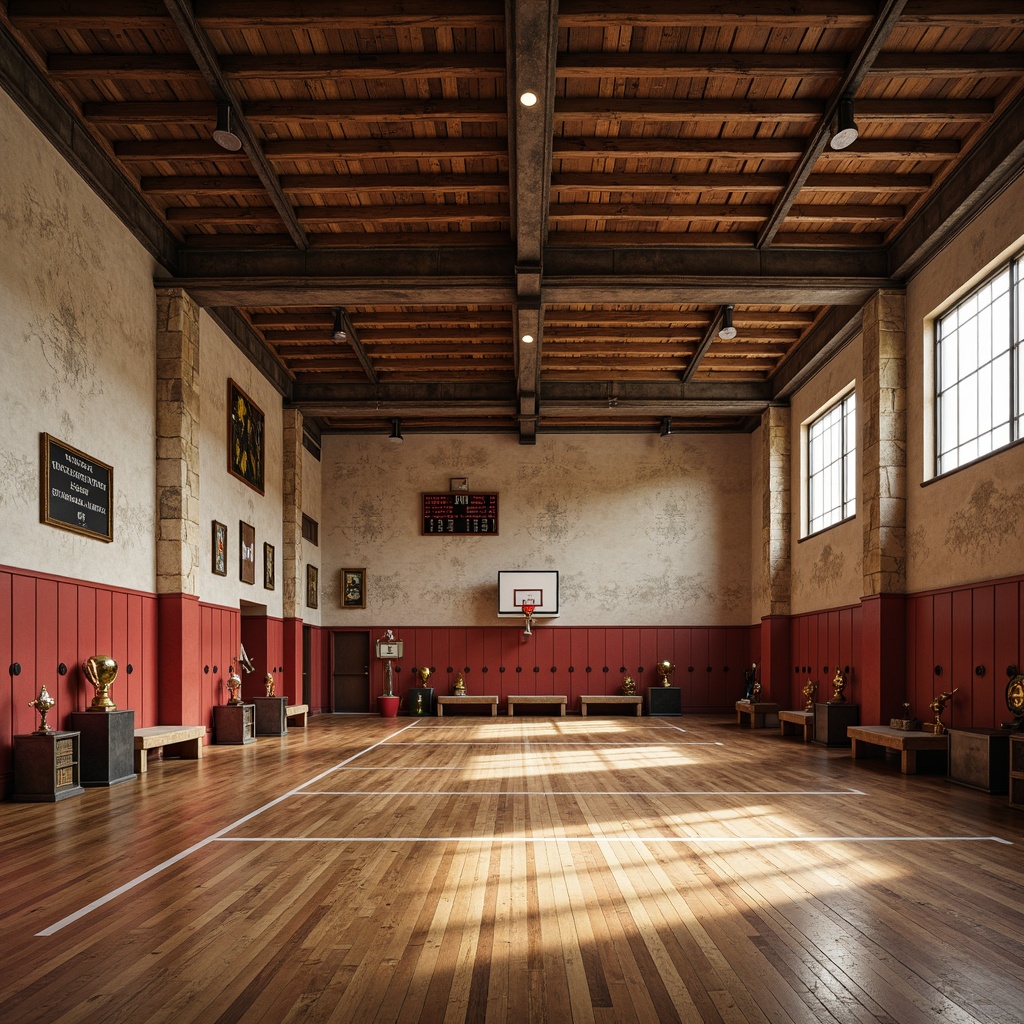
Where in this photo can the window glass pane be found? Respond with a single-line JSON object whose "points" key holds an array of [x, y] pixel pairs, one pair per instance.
{"points": [[831, 447]]}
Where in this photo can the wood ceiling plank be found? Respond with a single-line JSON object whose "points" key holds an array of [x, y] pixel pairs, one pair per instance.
{"points": [[339, 14]]}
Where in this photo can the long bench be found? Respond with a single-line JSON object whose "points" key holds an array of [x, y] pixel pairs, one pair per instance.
{"points": [[907, 743], [186, 740], [761, 715], [299, 713], [593, 699], [797, 723], [558, 699], [452, 701]]}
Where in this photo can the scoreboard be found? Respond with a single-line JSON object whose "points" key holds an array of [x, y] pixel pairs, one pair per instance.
{"points": [[458, 513]]}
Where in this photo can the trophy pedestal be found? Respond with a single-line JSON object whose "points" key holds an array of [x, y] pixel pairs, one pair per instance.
{"points": [[271, 719], [234, 723], [831, 722], [421, 701], [108, 746], [46, 767], [666, 701]]}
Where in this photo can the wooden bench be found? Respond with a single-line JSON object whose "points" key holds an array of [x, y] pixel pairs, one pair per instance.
{"points": [[537, 698], [187, 741], [907, 743], [609, 698], [760, 716], [797, 723], [452, 701], [299, 713]]}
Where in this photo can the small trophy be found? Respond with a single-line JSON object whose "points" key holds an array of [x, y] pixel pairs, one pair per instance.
{"points": [[423, 674], [234, 685], [459, 689], [42, 704], [268, 682], [629, 686], [101, 671], [810, 688], [664, 671], [937, 706], [838, 685]]}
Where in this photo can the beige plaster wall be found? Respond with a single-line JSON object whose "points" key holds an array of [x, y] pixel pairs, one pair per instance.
{"points": [[643, 531], [224, 497], [77, 327], [827, 567], [760, 604], [967, 525]]}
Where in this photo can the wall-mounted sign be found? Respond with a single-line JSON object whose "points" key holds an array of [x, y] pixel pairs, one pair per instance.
{"points": [[76, 493], [458, 513]]}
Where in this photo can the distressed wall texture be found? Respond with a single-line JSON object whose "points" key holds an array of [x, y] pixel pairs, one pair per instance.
{"points": [[642, 530], [77, 328]]}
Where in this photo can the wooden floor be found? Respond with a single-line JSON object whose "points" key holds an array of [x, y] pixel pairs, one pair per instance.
{"points": [[520, 870]]}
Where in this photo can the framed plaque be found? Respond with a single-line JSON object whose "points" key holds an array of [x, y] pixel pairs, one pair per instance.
{"points": [[268, 566], [76, 491], [246, 552], [220, 549]]}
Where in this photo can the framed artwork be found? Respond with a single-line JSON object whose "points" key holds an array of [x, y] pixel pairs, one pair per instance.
{"points": [[268, 566], [246, 552], [458, 483], [220, 549], [312, 590], [245, 438], [353, 588]]}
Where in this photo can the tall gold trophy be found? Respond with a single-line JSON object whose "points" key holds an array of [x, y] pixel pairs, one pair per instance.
{"points": [[101, 671]]}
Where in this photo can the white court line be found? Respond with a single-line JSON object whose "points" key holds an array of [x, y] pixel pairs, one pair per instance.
{"points": [[216, 837], [581, 792], [597, 744], [524, 840]]}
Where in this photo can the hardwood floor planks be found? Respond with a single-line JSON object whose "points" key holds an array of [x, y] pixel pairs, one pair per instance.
{"points": [[495, 870]]}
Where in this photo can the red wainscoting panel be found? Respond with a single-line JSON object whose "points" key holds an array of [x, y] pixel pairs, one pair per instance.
{"points": [[6, 691], [983, 677]]}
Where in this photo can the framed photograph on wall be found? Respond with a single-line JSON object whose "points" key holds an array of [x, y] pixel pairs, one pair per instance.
{"points": [[268, 566], [353, 588], [246, 552], [245, 438], [220, 549], [312, 589]]}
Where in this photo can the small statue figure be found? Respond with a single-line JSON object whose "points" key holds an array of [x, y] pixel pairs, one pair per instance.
{"points": [[423, 674], [937, 706], [268, 682], [42, 704], [629, 686], [838, 685], [755, 691], [749, 679], [665, 670], [459, 690], [234, 684], [810, 691]]}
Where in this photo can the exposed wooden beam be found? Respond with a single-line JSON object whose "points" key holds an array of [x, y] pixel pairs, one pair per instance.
{"points": [[419, 212], [206, 58], [871, 183], [324, 184]]}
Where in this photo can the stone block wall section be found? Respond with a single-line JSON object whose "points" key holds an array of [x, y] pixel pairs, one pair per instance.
{"points": [[884, 432], [177, 453], [776, 559], [291, 565]]}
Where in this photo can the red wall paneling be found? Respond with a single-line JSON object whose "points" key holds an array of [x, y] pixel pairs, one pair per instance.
{"points": [[982, 657], [25, 687], [1006, 643], [71, 688], [7, 692], [960, 672]]}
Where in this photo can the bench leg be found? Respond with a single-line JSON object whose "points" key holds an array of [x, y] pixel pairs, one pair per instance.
{"points": [[808, 727], [583, 710], [440, 711], [494, 711], [561, 710], [191, 749], [141, 762], [908, 762], [855, 750]]}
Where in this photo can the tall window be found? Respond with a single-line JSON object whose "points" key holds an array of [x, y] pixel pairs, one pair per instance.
{"points": [[979, 375], [832, 465]]}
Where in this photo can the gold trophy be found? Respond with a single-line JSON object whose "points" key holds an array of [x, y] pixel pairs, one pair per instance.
{"points": [[42, 704], [629, 686], [423, 674], [810, 689], [234, 684], [838, 685], [459, 690], [665, 670], [268, 682], [101, 671], [937, 706]]}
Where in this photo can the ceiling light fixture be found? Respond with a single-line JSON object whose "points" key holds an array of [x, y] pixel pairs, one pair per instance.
{"points": [[846, 128], [396, 431], [339, 333], [224, 134], [727, 332], [666, 426], [528, 98], [527, 339]]}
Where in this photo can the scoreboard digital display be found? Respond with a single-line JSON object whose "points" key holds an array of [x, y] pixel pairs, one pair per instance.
{"points": [[460, 514]]}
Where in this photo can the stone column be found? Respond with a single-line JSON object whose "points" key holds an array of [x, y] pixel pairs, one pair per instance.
{"points": [[291, 557], [177, 481], [776, 487], [882, 411]]}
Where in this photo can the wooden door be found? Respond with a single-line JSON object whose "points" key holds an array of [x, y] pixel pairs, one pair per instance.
{"points": [[350, 672], [307, 654]]}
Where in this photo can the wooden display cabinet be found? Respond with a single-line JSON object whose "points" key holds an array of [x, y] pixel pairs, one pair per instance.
{"points": [[47, 767], [1017, 771]]}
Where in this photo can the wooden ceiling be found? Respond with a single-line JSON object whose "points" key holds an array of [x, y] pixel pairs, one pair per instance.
{"points": [[677, 163]]}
